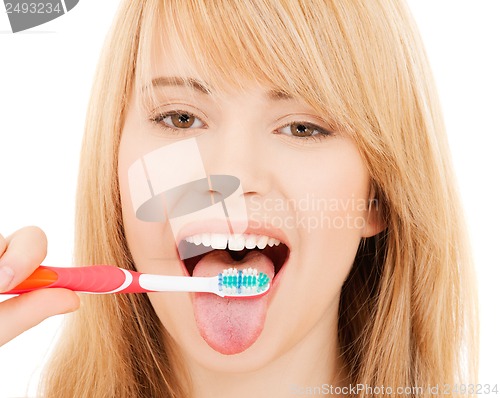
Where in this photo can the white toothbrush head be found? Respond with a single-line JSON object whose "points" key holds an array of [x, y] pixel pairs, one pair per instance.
{"points": [[246, 282]]}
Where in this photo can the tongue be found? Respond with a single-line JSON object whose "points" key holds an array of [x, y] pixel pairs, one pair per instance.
{"points": [[230, 325]]}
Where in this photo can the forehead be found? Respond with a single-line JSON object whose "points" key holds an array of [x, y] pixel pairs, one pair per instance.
{"points": [[171, 67], [171, 58]]}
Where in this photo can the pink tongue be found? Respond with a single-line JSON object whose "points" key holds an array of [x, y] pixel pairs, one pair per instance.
{"points": [[230, 325]]}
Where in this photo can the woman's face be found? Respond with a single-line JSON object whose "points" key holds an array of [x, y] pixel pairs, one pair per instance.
{"points": [[303, 184]]}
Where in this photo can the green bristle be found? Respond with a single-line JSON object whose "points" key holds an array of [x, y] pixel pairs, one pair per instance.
{"points": [[244, 284]]}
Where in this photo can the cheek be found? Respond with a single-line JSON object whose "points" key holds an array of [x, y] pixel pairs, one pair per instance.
{"points": [[326, 193], [326, 200], [153, 250], [151, 244], [337, 210]]}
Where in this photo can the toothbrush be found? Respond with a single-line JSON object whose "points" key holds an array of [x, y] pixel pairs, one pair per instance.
{"points": [[103, 279]]}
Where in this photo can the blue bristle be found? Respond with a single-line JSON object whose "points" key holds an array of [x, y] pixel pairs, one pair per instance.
{"points": [[238, 282]]}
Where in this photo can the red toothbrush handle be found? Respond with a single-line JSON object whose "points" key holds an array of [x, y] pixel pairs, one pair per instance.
{"points": [[92, 279]]}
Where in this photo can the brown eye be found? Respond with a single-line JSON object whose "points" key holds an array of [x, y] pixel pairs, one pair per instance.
{"points": [[179, 120], [182, 120], [302, 129]]}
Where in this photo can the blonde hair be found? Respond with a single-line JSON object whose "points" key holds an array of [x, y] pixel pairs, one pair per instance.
{"points": [[408, 310]]}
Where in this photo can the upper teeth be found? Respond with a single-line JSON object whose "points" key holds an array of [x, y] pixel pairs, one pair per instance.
{"points": [[233, 242]]}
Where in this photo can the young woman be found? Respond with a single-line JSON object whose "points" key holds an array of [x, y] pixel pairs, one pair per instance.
{"points": [[326, 113]]}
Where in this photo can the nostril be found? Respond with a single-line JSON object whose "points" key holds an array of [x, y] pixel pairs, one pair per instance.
{"points": [[216, 196], [223, 185]]}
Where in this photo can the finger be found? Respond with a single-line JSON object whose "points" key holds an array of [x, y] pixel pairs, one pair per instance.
{"points": [[21, 313], [6, 274], [26, 249], [3, 245]]}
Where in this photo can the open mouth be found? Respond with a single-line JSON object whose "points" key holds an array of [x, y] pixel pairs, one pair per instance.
{"points": [[237, 246]]}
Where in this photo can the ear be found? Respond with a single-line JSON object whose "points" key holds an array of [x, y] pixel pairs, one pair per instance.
{"points": [[375, 221]]}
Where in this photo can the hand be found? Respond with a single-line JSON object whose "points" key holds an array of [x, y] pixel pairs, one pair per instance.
{"points": [[20, 254]]}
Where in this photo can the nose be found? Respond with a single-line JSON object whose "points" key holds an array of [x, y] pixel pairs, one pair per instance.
{"points": [[238, 150]]}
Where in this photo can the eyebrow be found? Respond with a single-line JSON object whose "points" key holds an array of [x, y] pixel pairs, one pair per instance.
{"points": [[279, 95], [273, 94], [180, 81]]}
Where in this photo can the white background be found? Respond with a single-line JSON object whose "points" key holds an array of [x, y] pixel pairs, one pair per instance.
{"points": [[45, 79]]}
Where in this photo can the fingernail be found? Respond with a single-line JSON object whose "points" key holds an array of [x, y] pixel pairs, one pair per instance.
{"points": [[6, 276]]}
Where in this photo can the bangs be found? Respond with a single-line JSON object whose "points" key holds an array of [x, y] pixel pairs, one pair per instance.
{"points": [[292, 48]]}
